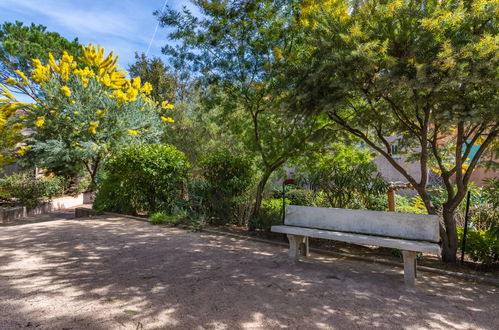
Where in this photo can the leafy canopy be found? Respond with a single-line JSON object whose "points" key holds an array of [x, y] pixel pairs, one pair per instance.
{"points": [[422, 72]]}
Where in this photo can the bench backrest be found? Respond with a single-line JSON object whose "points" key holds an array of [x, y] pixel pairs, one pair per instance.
{"points": [[393, 224]]}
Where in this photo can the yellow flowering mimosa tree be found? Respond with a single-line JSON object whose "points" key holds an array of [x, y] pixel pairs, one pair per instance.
{"points": [[84, 111], [10, 134]]}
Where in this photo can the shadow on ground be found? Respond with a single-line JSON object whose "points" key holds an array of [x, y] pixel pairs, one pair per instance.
{"points": [[107, 273]]}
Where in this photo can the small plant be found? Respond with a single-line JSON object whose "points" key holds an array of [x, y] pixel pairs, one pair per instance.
{"points": [[162, 218], [481, 245], [197, 222]]}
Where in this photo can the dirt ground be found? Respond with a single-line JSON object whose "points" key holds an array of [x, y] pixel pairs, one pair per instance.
{"points": [[115, 273]]}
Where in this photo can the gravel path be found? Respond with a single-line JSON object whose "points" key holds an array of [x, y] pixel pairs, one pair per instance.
{"points": [[114, 273]]}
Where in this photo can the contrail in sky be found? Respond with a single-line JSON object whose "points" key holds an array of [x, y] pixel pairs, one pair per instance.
{"points": [[155, 30]]}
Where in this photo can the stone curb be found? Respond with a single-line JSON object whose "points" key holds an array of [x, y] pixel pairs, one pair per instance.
{"points": [[470, 277]]}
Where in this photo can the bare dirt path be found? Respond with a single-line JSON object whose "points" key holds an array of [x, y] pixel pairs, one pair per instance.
{"points": [[114, 273]]}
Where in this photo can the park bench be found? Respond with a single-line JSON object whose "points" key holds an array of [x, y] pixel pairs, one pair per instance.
{"points": [[408, 232]]}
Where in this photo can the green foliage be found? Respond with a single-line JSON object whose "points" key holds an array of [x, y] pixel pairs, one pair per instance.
{"points": [[154, 71], [143, 178], [19, 44], [345, 175], [239, 48], [227, 177], [227, 173], [179, 217], [481, 245], [484, 206], [277, 191], [301, 197], [270, 214], [409, 205], [162, 218], [376, 202], [28, 190]]}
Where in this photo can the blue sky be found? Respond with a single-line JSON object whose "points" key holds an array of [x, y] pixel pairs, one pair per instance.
{"points": [[125, 26]]}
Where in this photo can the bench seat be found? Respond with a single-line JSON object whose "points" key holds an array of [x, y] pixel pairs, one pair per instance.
{"points": [[395, 243]]}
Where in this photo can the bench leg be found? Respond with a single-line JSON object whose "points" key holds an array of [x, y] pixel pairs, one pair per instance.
{"points": [[304, 249], [409, 267], [298, 246]]}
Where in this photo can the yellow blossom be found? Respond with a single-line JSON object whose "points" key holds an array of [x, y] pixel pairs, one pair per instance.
{"points": [[136, 83], [40, 73], [66, 91], [7, 93], [167, 119], [92, 127], [146, 88], [22, 150], [23, 77], [166, 105], [40, 121], [133, 132], [11, 81]]}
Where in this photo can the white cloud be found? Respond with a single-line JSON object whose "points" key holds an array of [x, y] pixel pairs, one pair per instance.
{"points": [[92, 20], [125, 26]]}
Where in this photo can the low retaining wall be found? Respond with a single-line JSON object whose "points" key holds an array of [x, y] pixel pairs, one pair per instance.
{"points": [[12, 213]]}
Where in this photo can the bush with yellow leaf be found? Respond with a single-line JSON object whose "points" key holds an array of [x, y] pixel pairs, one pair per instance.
{"points": [[85, 110]]}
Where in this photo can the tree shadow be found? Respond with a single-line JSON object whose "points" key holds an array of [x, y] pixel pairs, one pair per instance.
{"points": [[107, 273]]}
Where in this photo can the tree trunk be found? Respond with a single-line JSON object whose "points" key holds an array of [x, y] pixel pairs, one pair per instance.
{"points": [[258, 198], [449, 237]]}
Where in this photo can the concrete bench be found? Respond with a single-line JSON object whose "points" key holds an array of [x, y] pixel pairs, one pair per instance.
{"points": [[408, 232]]}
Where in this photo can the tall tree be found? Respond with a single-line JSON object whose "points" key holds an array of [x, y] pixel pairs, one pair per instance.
{"points": [[166, 85], [424, 71], [19, 44], [240, 48], [84, 110]]}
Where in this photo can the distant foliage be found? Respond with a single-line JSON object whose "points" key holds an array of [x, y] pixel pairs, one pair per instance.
{"points": [[301, 197], [27, 190], [143, 179], [346, 176]]}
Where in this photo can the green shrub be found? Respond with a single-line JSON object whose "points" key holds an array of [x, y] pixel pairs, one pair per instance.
{"points": [[481, 245], [377, 202], [228, 172], [143, 178], [410, 205], [301, 197], [270, 214], [227, 176], [28, 190]]}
